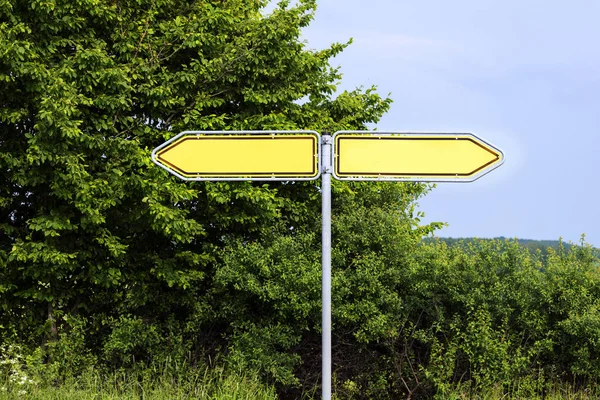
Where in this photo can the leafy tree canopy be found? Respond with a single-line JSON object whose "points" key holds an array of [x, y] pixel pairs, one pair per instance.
{"points": [[91, 229]]}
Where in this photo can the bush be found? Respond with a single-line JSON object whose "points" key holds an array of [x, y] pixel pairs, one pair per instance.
{"points": [[495, 316]]}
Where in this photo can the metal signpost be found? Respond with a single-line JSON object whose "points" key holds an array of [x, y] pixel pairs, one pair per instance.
{"points": [[347, 155]]}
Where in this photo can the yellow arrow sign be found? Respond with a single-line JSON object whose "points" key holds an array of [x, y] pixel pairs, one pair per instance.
{"points": [[416, 157], [286, 155]]}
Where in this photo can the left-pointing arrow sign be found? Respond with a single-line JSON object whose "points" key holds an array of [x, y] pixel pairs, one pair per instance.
{"points": [[241, 155]]}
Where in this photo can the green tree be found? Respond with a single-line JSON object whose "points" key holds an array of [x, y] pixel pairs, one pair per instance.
{"points": [[91, 231]]}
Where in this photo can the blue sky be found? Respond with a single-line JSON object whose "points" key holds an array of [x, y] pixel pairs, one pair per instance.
{"points": [[523, 75]]}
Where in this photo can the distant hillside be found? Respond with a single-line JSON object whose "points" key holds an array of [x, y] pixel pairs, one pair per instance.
{"points": [[532, 245]]}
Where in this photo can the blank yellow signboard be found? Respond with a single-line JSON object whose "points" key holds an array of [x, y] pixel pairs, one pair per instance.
{"points": [[242, 156], [412, 156]]}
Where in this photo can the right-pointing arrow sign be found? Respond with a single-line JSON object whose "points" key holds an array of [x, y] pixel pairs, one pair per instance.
{"points": [[413, 156]]}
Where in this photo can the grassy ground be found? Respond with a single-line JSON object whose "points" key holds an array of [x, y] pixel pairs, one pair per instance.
{"points": [[558, 391], [215, 385], [198, 384], [23, 380]]}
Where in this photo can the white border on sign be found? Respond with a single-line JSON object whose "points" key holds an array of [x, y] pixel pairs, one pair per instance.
{"points": [[483, 172], [267, 132]]}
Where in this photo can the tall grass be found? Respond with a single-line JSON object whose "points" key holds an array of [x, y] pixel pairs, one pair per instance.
{"points": [[22, 380], [558, 391], [203, 383]]}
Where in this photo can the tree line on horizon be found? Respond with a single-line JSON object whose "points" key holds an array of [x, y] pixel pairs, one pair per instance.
{"points": [[543, 247]]}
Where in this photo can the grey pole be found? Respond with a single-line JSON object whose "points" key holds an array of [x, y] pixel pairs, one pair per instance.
{"points": [[326, 164]]}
